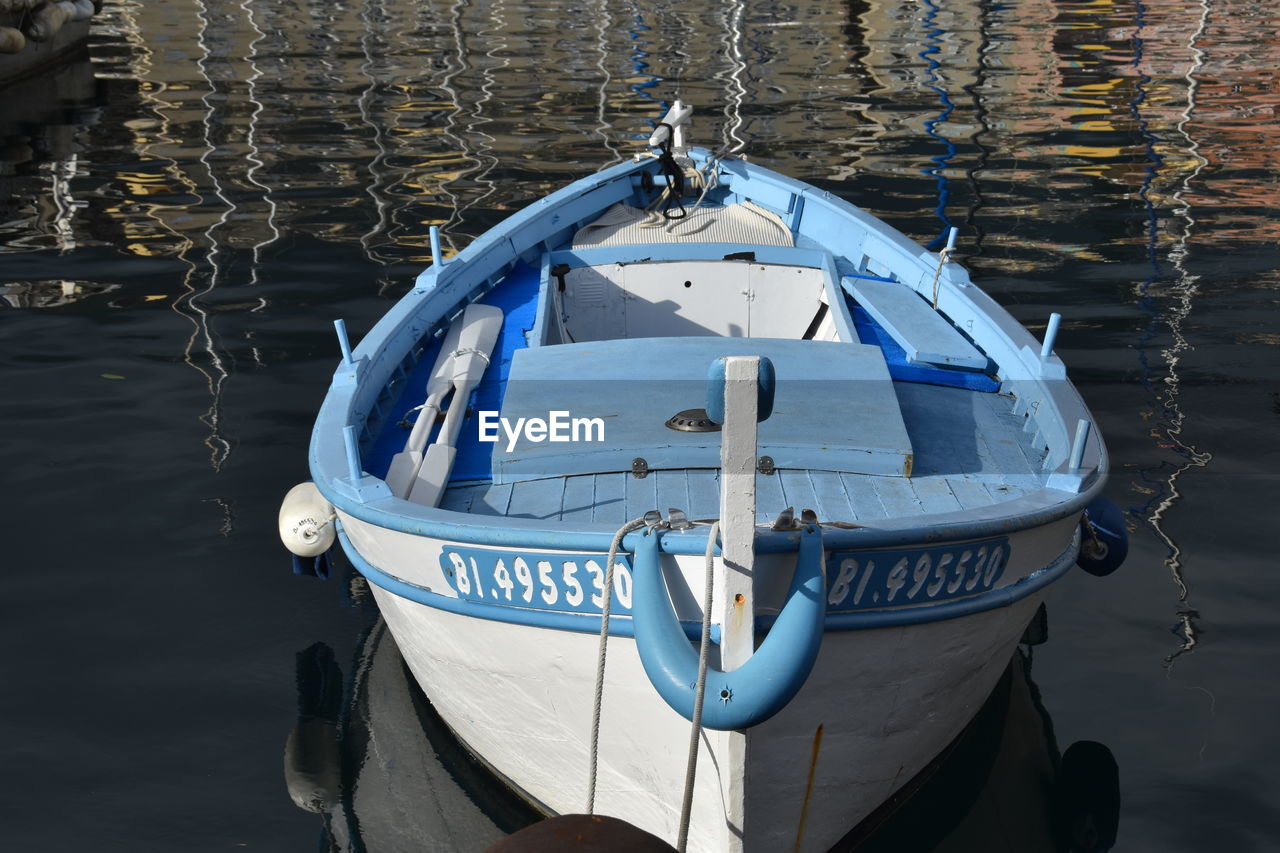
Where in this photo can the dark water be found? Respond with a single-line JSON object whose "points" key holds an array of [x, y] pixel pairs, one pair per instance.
{"points": [[183, 216]]}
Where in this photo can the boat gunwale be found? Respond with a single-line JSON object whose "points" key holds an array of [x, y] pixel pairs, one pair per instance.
{"points": [[510, 531]]}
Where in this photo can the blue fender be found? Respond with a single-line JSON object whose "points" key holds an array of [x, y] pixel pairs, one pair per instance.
{"points": [[1104, 541], [762, 686]]}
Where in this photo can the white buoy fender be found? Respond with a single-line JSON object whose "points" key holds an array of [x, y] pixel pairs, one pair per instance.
{"points": [[306, 521], [11, 40]]}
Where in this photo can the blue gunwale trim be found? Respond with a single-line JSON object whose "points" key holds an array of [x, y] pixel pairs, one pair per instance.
{"points": [[622, 626], [394, 514]]}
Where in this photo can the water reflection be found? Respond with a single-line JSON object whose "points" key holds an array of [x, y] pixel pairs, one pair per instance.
{"points": [[39, 162], [1004, 786], [223, 178], [1170, 303], [372, 758], [367, 122]]}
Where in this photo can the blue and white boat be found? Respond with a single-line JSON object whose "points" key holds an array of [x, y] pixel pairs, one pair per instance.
{"points": [[757, 395]]}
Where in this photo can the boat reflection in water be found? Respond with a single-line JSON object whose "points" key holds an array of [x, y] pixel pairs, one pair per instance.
{"points": [[1003, 786], [374, 760], [371, 756]]}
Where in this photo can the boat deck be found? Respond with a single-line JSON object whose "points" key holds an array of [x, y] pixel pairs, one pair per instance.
{"points": [[975, 458], [840, 450]]}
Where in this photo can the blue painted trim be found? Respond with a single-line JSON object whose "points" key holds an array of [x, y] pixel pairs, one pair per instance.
{"points": [[1002, 597], [621, 626], [770, 678]]}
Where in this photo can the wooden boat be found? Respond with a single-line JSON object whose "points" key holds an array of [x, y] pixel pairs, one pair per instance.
{"points": [[835, 477]]}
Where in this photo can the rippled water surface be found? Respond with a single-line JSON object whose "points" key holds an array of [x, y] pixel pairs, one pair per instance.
{"points": [[184, 211]]}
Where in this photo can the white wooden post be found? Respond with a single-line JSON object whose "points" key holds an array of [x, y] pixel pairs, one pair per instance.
{"points": [[737, 535], [738, 511]]}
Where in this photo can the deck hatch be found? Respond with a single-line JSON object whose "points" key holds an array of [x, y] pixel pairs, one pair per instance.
{"points": [[835, 408]]}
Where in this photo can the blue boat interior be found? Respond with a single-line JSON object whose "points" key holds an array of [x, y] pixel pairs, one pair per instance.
{"points": [[886, 407]]}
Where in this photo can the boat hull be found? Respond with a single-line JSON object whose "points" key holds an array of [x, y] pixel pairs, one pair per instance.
{"points": [[880, 703]]}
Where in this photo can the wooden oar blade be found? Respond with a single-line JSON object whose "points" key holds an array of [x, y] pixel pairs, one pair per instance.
{"points": [[433, 474], [480, 325], [403, 470], [404, 465]]}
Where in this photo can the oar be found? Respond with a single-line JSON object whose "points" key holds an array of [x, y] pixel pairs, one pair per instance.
{"points": [[404, 465], [479, 333]]}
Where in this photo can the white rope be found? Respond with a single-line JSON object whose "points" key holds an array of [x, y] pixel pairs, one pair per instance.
{"points": [[471, 351], [944, 257], [695, 734], [594, 759]]}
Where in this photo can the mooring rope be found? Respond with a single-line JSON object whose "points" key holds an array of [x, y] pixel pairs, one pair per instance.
{"points": [[695, 734], [593, 761], [944, 257]]}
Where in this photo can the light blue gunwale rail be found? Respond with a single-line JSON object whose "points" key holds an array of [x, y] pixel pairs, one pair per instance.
{"points": [[621, 626], [379, 361]]}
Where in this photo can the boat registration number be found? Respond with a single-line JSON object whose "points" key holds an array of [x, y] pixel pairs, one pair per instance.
{"points": [[864, 580], [858, 580], [569, 582]]}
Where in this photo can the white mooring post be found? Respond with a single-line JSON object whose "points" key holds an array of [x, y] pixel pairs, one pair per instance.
{"points": [[738, 510], [736, 602]]}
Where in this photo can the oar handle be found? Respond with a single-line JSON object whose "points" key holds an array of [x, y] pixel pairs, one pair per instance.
{"points": [[455, 415], [426, 419]]}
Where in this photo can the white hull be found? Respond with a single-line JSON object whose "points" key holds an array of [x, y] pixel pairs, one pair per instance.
{"points": [[886, 700]]}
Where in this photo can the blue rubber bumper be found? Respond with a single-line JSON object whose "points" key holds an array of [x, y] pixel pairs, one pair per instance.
{"points": [[762, 686]]}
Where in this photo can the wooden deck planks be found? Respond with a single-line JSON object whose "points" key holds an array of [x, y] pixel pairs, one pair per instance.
{"points": [[863, 498], [835, 497], [704, 493], [897, 496], [831, 499], [935, 494], [797, 490], [973, 458], [579, 500], [611, 506], [537, 498], [672, 490], [970, 494]]}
